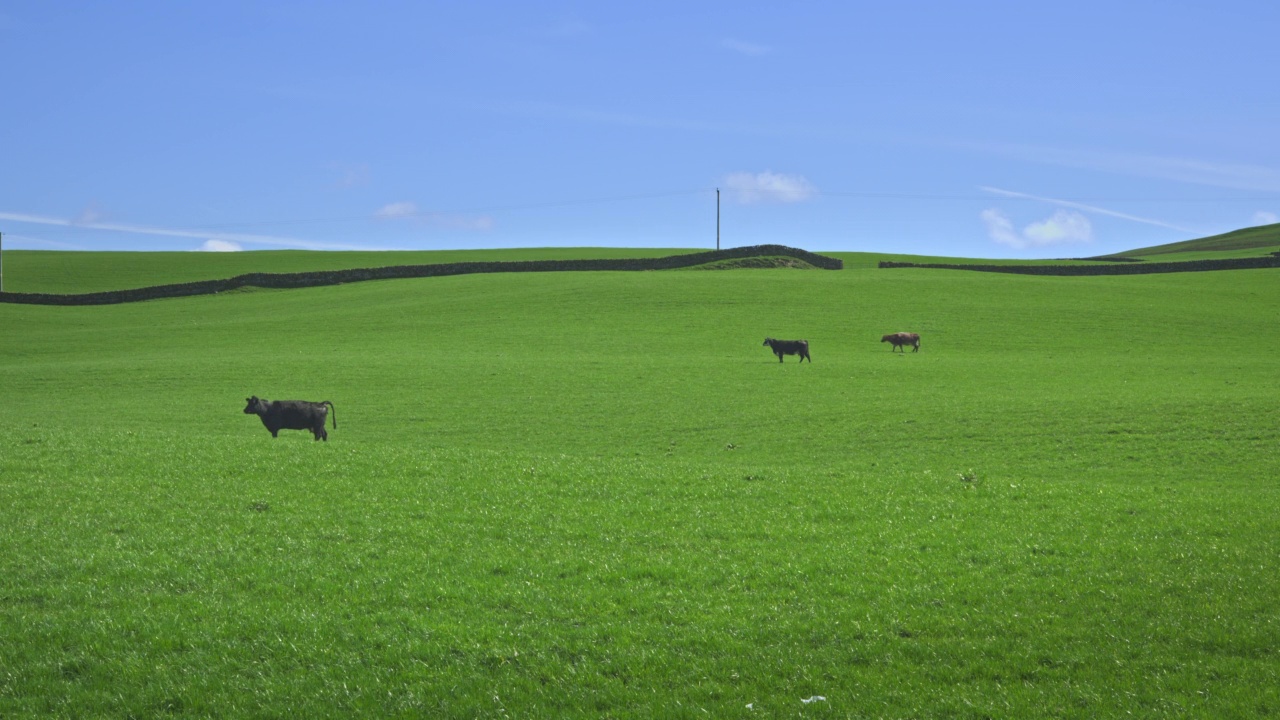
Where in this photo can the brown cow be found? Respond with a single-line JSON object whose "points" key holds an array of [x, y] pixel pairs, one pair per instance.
{"points": [[902, 338]]}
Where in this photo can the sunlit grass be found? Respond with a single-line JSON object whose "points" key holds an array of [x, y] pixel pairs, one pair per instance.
{"points": [[597, 495]]}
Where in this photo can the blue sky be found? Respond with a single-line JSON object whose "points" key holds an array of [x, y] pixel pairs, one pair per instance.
{"points": [[976, 129]]}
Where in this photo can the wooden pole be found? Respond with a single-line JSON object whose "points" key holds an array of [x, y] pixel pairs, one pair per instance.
{"points": [[717, 218]]}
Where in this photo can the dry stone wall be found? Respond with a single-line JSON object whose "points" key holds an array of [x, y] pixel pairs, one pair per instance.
{"points": [[338, 277]]}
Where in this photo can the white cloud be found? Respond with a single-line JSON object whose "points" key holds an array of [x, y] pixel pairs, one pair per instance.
{"points": [[1000, 228], [745, 48], [1262, 217], [1063, 227], [750, 188], [219, 246], [396, 210]]}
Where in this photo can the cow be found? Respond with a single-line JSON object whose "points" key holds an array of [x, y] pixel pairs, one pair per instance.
{"points": [[789, 347], [280, 415], [902, 338]]}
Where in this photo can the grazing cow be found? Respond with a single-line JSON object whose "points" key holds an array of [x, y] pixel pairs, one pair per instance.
{"points": [[900, 339], [280, 415], [789, 347]]}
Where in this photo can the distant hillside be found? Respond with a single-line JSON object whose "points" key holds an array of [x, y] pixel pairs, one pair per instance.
{"points": [[1253, 240], [1250, 248], [748, 256]]}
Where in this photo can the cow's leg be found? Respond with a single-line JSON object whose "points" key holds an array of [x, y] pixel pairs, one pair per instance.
{"points": [[275, 432]]}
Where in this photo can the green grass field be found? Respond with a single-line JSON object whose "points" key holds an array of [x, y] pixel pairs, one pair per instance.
{"points": [[597, 495]]}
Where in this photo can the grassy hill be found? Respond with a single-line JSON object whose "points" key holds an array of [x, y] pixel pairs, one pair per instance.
{"points": [[29, 271], [597, 495], [1248, 242]]}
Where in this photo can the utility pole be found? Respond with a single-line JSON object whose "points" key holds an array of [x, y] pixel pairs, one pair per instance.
{"points": [[2, 264], [717, 218]]}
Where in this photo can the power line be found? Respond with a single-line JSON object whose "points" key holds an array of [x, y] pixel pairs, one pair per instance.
{"points": [[432, 213], [919, 196], [986, 197], [676, 193]]}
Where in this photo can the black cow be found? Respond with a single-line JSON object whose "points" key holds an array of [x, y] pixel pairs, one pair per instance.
{"points": [[789, 347], [280, 415]]}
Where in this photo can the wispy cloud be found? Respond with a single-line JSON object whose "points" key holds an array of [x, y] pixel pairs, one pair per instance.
{"points": [[409, 211], [92, 213], [353, 175], [745, 48], [1236, 176], [1082, 206], [202, 235], [577, 114], [1263, 217], [25, 241], [1063, 227], [396, 210], [569, 27], [768, 187]]}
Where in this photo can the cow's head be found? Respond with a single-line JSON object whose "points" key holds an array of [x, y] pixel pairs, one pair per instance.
{"points": [[768, 341], [255, 405]]}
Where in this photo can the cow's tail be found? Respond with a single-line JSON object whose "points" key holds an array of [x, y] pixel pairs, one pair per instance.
{"points": [[333, 413]]}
